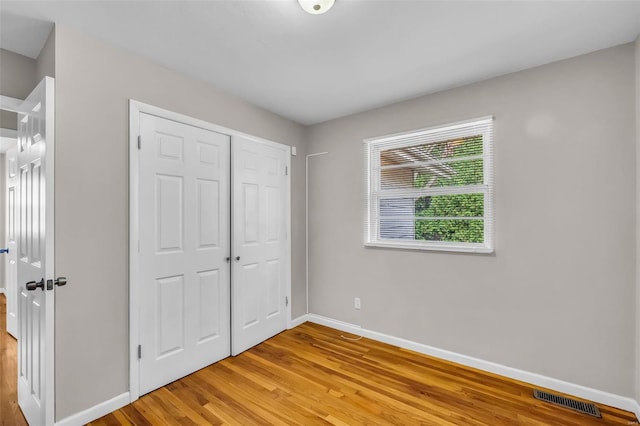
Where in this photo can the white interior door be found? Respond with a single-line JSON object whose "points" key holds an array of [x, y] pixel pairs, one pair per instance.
{"points": [[184, 250], [11, 232], [35, 255], [260, 248]]}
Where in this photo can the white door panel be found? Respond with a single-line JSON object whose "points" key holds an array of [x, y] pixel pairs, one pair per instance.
{"points": [[11, 229], [184, 246], [35, 255], [259, 242]]}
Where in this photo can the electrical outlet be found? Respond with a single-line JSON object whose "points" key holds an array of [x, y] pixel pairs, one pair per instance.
{"points": [[356, 303]]}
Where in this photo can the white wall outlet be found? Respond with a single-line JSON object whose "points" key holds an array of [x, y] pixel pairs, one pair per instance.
{"points": [[356, 303]]}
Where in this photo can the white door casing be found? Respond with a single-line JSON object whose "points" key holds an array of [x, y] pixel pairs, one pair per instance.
{"points": [[260, 248], [35, 255], [184, 250], [11, 233]]}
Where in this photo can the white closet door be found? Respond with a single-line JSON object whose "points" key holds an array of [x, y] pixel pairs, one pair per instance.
{"points": [[11, 230], [260, 249], [184, 245]]}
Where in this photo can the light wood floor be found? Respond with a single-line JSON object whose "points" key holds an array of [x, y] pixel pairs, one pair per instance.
{"points": [[10, 413], [310, 375]]}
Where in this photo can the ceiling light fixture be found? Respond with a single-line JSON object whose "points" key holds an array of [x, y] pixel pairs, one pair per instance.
{"points": [[316, 7]]}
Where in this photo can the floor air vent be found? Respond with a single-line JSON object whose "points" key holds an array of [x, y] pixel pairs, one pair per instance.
{"points": [[583, 407]]}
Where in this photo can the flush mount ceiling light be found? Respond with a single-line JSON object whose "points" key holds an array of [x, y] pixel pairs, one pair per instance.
{"points": [[316, 7]]}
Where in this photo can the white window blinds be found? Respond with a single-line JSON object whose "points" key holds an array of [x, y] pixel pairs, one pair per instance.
{"points": [[431, 188]]}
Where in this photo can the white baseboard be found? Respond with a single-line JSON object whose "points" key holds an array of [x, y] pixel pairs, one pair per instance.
{"points": [[297, 321], [95, 412], [637, 410], [595, 395]]}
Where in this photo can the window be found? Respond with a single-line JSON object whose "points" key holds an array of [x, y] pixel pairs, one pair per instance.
{"points": [[431, 189]]}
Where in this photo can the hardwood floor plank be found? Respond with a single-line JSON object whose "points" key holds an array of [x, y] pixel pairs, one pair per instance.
{"points": [[310, 375], [372, 384], [10, 413], [121, 418]]}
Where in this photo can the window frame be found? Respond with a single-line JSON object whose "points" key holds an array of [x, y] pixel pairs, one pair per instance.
{"points": [[462, 129]]}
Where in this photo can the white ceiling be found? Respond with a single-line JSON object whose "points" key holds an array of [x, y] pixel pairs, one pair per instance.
{"points": [[360, 55]]}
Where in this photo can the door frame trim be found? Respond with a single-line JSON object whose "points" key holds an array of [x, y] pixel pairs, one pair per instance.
{"points": [[135, 109]]}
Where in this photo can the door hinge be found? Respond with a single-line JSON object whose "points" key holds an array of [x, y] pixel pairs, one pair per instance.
{"points": [[286, 300], [139, 351], [139, 142], [286, 170]]}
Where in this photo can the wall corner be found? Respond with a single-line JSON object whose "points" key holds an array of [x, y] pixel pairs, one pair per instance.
{"points": [[46, 61]]}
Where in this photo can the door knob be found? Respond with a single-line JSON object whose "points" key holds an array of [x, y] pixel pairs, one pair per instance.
{"points": [[237, 258], [32, 285], [58, 281], [4, 250], [227, 259]]}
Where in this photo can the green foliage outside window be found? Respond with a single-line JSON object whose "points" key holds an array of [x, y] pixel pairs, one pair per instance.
{"points": [[448, 207]]}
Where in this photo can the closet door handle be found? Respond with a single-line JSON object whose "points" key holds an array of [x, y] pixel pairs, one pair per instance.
{"points": [[227, 259], [237, 258]]}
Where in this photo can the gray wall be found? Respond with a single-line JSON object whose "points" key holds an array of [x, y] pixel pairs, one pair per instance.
{"points": [[93, 85], [557, 297], [46, 61], [17, 80]]}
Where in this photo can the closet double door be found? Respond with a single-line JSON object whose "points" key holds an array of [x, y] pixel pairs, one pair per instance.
{"points": [[213, 255]]}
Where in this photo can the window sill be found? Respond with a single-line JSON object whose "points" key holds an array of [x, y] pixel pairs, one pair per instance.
{"points": [[431, 247]]}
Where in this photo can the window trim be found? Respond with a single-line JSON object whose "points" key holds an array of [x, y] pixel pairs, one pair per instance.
{"points": [[433, 134]]}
